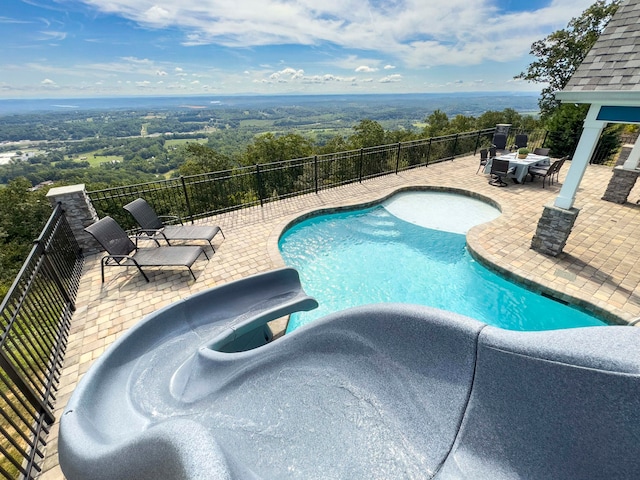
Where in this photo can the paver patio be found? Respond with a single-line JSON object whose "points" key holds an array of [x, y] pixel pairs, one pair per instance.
{"points": [[600, 265]]}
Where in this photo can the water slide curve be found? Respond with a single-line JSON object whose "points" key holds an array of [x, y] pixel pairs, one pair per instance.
{"points": [[394, 391]]}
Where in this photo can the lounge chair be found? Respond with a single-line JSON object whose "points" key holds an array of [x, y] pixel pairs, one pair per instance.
{"points": [[121, 251], [153, 226]]}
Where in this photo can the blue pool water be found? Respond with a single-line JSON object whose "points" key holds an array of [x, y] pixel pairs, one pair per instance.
{"points": [[370, 256]]}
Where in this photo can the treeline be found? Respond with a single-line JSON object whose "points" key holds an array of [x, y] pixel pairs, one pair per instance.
{"points": [[141, 159], [270, 147]]}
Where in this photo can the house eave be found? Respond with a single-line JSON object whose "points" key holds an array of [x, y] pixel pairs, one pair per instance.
{"points": [[625, 97]]}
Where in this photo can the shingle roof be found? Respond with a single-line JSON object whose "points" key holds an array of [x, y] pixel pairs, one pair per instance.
{"points": [[613, 63]]}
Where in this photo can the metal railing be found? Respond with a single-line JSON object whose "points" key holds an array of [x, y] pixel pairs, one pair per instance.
{"points": [[198, 196], [35, 316]]}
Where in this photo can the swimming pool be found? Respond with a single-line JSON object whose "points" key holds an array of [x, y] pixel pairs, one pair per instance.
{"points": [[371, 255]]}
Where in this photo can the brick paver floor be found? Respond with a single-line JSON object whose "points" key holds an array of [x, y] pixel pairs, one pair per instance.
{"points": [[599, 266]]}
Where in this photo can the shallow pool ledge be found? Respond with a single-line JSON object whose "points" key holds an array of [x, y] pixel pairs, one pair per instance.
{"points": [[383, 391]]}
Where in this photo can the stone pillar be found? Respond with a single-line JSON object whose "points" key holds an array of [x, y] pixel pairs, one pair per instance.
{"points": [[79, 212], [625, 150], [553, 230], [620, 185]]}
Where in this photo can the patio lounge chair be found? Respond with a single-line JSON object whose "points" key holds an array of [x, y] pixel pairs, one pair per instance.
{"points": [[153, 226], [121, 251]]}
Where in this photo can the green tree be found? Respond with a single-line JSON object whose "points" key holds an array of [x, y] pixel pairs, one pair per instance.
{"points": [[369, 133], [202, 159], [269, 148], [560, 53], [437, 124], [22, 217]]}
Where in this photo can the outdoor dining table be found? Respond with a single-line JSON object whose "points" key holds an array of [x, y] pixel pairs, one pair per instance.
{"points": [[519, 167]]}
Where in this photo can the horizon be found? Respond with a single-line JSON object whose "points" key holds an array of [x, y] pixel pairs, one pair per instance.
{"points": [[21, 106], [95, 49]]}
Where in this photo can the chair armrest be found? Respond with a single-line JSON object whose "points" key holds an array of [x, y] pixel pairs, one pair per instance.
{"points": [[148, 235], [171, 217]]}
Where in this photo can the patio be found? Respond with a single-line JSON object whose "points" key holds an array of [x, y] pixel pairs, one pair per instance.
{"points": [[598, 266]]}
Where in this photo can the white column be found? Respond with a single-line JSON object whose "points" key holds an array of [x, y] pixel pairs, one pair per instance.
{"points": [[586, 146], [634, 158]]}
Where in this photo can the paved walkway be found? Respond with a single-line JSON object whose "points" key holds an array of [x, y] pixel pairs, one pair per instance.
{"points": [[600, 265]]}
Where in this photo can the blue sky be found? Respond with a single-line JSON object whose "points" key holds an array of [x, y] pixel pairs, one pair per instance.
{"points": [[89, 48]]}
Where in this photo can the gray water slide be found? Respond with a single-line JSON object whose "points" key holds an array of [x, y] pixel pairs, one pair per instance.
{"points": [[390, 391]]}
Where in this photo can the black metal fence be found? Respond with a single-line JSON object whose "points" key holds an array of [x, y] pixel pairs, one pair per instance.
{"points": [[35, 316], [198, 196]]}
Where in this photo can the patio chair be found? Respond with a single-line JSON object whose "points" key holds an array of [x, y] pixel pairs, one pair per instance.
{"points": [[556, 173], [121, 251], [541, 151], [500, 141], [484, 158], [153, 226], [545, 172], [499, 169], [522, 139]]}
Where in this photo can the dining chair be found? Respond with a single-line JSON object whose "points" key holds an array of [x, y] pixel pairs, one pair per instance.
{"points": [[521, 140], [500, 141], [541, 151], [484, 158], [556, 173], [499, 169], [545, 172]]}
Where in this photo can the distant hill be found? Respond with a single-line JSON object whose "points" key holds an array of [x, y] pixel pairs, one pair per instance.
{"points": [[470, 103]]}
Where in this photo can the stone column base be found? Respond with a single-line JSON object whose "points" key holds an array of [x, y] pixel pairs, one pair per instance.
{"points": [[554, 228], [620, 185]]}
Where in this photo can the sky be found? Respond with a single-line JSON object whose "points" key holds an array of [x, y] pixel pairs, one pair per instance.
{"points": [[96, 48]]}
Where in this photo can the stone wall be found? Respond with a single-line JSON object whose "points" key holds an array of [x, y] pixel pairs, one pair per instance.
{"points": [[79, 212]]}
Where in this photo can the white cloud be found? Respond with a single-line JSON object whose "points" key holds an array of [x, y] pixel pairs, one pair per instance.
{"points": [[396, 77], [389, 67], [161, 73], [414, 32], [48, 82], [365, 69]]}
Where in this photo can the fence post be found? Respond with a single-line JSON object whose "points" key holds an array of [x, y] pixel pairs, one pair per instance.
{"points": [[398, 157], [315, 170], [428, 151], [455, 144], [360, 166], [259, 184], [186, 198], [475, 149]]}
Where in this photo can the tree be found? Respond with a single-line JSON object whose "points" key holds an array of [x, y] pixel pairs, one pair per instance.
{"points": [[268, 148], [22, 216], [560, 53], [437, 124], [202, 159], [369, 133]]}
